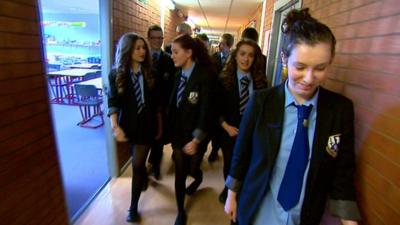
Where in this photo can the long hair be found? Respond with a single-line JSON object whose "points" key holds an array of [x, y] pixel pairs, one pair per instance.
{"points": [[199, 52], [228, 73], [123, 61], [299, 27]]}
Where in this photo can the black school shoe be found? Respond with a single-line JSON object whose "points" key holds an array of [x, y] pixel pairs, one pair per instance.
{"points": [[133, 217], [194, 186]]}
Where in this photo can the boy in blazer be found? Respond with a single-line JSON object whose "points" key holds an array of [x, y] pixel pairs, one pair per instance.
{"points": [[164, 71]]}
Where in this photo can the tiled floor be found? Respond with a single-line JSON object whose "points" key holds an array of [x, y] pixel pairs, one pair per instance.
{"points": [[157, 204]]}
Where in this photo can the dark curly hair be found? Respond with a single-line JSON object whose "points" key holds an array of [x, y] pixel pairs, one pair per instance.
{"points": [[228, 73], [300, 27], [123, 61]]}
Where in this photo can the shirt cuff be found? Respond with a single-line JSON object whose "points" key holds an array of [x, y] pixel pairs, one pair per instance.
{"points": [[345, 209], [199, 134], [112, 110], [233, 184]]}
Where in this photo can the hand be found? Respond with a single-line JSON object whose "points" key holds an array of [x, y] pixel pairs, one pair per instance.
{"points": [[231, 205], [231, 130], [119, 134], [191, 147], [349, 222]]}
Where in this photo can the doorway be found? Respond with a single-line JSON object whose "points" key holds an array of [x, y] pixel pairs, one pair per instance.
{"points": [[274, 61], [72, 44]]}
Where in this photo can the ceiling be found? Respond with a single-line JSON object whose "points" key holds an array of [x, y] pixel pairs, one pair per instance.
{"points": [[218, 16]]}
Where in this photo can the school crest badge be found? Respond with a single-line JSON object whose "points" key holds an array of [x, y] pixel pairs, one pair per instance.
{"points": [[333, 145], [193, 97]]}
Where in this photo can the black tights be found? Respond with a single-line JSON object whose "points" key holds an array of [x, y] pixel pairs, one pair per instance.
{"points": [[139, 173], [186, 165]]}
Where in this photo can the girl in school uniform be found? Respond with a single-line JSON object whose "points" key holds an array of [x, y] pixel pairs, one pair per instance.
{"points": [[133, 109], [295, 148], [241, 76], [189, 114]]}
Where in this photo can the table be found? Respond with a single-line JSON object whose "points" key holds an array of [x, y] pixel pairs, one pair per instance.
{"points": [[65, 79], [86, 66], [96, 82]]}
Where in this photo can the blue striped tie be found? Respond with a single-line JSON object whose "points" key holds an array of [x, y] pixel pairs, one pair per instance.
{"points": [[244, 93], [292, 182], [181, 88], [138, 92]]}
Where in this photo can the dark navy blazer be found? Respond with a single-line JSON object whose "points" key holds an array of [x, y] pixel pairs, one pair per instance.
{"points": [[257, 147]]}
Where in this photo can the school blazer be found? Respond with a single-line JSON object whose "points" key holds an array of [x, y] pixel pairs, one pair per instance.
{"points": [[164, 71], [139, 128], [229, 102], [216, 57], [193, 116], [331, 167]]}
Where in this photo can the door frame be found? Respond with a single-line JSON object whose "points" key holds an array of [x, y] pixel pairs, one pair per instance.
{"points": [[273, 58]]}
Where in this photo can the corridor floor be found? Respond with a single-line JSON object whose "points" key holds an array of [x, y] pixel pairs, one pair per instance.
{"points": [[157, 204]]}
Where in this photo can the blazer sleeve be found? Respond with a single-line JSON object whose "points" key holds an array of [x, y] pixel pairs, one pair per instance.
{"points": [[242, 151], [342, 195], [113, 98]]}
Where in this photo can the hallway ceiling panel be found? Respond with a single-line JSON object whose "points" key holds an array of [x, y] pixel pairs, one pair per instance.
{"points": [[212, 15]]}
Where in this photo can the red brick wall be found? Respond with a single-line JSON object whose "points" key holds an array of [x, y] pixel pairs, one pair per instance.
{"points": [[366, 69], [133, 16], [269, 9], [171, 20], [30, 184]]}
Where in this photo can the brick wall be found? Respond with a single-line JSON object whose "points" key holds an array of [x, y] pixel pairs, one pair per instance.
{"points": [[133, 16], [269, 9], [30, 183], [367, 70], [170, 23]]}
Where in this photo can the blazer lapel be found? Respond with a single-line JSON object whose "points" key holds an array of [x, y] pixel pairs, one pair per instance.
{"points": [[236, 94], [275, 110], [321, 135], [173, 96], [190, 83]]}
